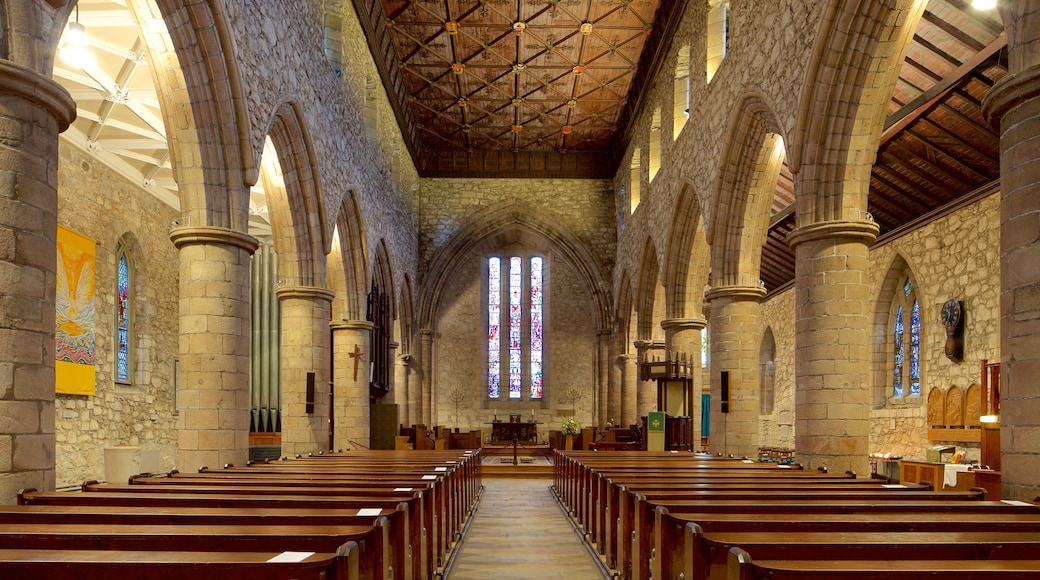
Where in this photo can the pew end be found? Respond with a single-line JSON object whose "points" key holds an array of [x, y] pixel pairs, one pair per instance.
{"points": [[739, 565], [349, 560]]}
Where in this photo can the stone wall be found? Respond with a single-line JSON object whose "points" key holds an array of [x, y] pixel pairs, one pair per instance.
{"points": [[955, 256], [98, 203], [585, 207]]}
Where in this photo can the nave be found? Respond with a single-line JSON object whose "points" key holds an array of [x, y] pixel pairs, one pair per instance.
{"points": [[519, 531]]}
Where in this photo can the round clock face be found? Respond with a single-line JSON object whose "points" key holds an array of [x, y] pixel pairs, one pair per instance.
{"points": [[951, 313]]}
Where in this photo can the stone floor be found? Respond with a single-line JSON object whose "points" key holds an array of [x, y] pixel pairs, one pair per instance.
{"points": [[519, 532]]}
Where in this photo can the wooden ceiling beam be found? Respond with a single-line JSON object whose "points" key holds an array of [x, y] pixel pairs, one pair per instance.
{"points": [[918, 107]]}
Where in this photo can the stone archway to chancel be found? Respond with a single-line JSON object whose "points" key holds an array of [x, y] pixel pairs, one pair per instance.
{"points": [[451, 299]]}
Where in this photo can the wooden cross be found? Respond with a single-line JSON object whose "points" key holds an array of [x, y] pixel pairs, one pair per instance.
{"points": [[357, 355]]}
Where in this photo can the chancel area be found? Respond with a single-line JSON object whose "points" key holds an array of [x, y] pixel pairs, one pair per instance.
{"points": [[801, 233]]}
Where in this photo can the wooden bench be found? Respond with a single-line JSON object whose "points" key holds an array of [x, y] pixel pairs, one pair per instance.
{"points": [[670, 551], [742, 567], [710, 550], [373, 541], [56, 564], [406, 548]]}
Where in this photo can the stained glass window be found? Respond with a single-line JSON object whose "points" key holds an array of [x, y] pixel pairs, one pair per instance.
{"points": [[122, 317], [516, 280], [522, 356], [536, 328], [494, 319], [915, 350], [897, 371], [905, 332]]}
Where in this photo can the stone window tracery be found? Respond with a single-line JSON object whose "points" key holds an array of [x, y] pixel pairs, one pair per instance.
{"points": [[905, 330], [124, 314]]}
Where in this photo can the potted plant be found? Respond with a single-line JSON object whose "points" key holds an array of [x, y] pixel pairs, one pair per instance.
{"points": [[570, 428]]}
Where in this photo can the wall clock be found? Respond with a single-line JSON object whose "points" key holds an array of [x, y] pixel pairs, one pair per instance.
{"points": [[953, 320]]}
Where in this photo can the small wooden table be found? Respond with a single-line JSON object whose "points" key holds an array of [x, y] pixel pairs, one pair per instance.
{"points": [[523, 431]]}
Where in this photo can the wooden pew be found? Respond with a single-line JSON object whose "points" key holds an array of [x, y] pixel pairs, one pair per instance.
{"points": [[56, 564], [97, 498], [742, 567], [710, 550], [670, 551], [373, 540], [635, 512]]}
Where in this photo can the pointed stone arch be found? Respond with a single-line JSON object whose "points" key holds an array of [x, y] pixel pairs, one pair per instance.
{"points": [[383, 275], [687, 258], [299, 223], [647, 282], [212, 154], [348, 262], [623, 313], [842, 108], [507, 221], [750, 165]]}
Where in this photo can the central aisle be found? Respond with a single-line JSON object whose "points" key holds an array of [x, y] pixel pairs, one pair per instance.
{"points": [[519, 532]]}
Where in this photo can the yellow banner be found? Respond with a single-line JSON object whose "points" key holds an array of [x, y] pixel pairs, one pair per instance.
{"points": [[76, 315]]}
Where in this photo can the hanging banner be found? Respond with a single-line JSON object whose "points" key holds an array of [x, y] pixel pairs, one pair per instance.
{"points": [[75, 314]]}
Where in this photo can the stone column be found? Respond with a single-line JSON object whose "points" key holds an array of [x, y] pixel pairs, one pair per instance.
{"points": [[306, 311], [616, 384], [33, 109], [602, 376], [392, 397], [350, 405], [426, 344], [683, 335], [1014, 103], [213, 424], [403, 395], [832, 344], [646, 391], [629, 388], [414, 391], [734, 344]]}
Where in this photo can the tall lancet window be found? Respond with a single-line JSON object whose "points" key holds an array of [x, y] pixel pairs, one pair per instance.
{"points": [[906, 339], [123, 315], [519, 359], [536, 327], [494, 327]]}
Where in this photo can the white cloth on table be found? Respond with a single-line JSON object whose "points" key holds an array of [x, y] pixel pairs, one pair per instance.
{"points": [[950, 473]]}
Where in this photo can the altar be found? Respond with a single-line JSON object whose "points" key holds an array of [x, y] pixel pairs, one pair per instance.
{"points": [[524, 431]]}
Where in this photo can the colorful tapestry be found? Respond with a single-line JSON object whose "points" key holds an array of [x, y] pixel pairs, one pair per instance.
{"points": [[75, 314]]}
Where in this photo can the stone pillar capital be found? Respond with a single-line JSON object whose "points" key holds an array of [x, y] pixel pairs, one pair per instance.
{"points": [[359, 325], [306, 292], [46, 93], [845, 229], [1010, 92], [394, 345], [404, 358], [679, 324], [192, 235], [426, 333], [735, 292], [605, 333]]}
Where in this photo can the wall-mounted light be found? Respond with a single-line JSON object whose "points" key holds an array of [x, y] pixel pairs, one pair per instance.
{"points": [[983, 4], [989, 419]]}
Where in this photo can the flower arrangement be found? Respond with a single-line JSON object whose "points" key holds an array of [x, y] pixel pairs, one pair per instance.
{"points": [[570, 427]]}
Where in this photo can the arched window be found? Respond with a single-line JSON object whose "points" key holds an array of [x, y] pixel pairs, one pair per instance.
{"points": [[518, 283], [718, 35], [124, 315], [905, 329], [635, 181], [681, 91], [653, 154]]}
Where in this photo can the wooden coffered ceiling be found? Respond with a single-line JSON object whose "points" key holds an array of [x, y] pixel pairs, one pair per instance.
{"points": [[516, 87]]}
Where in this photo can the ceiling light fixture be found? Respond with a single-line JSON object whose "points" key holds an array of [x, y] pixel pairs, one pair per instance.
{"points": [[74, 49], [983, 4]]}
